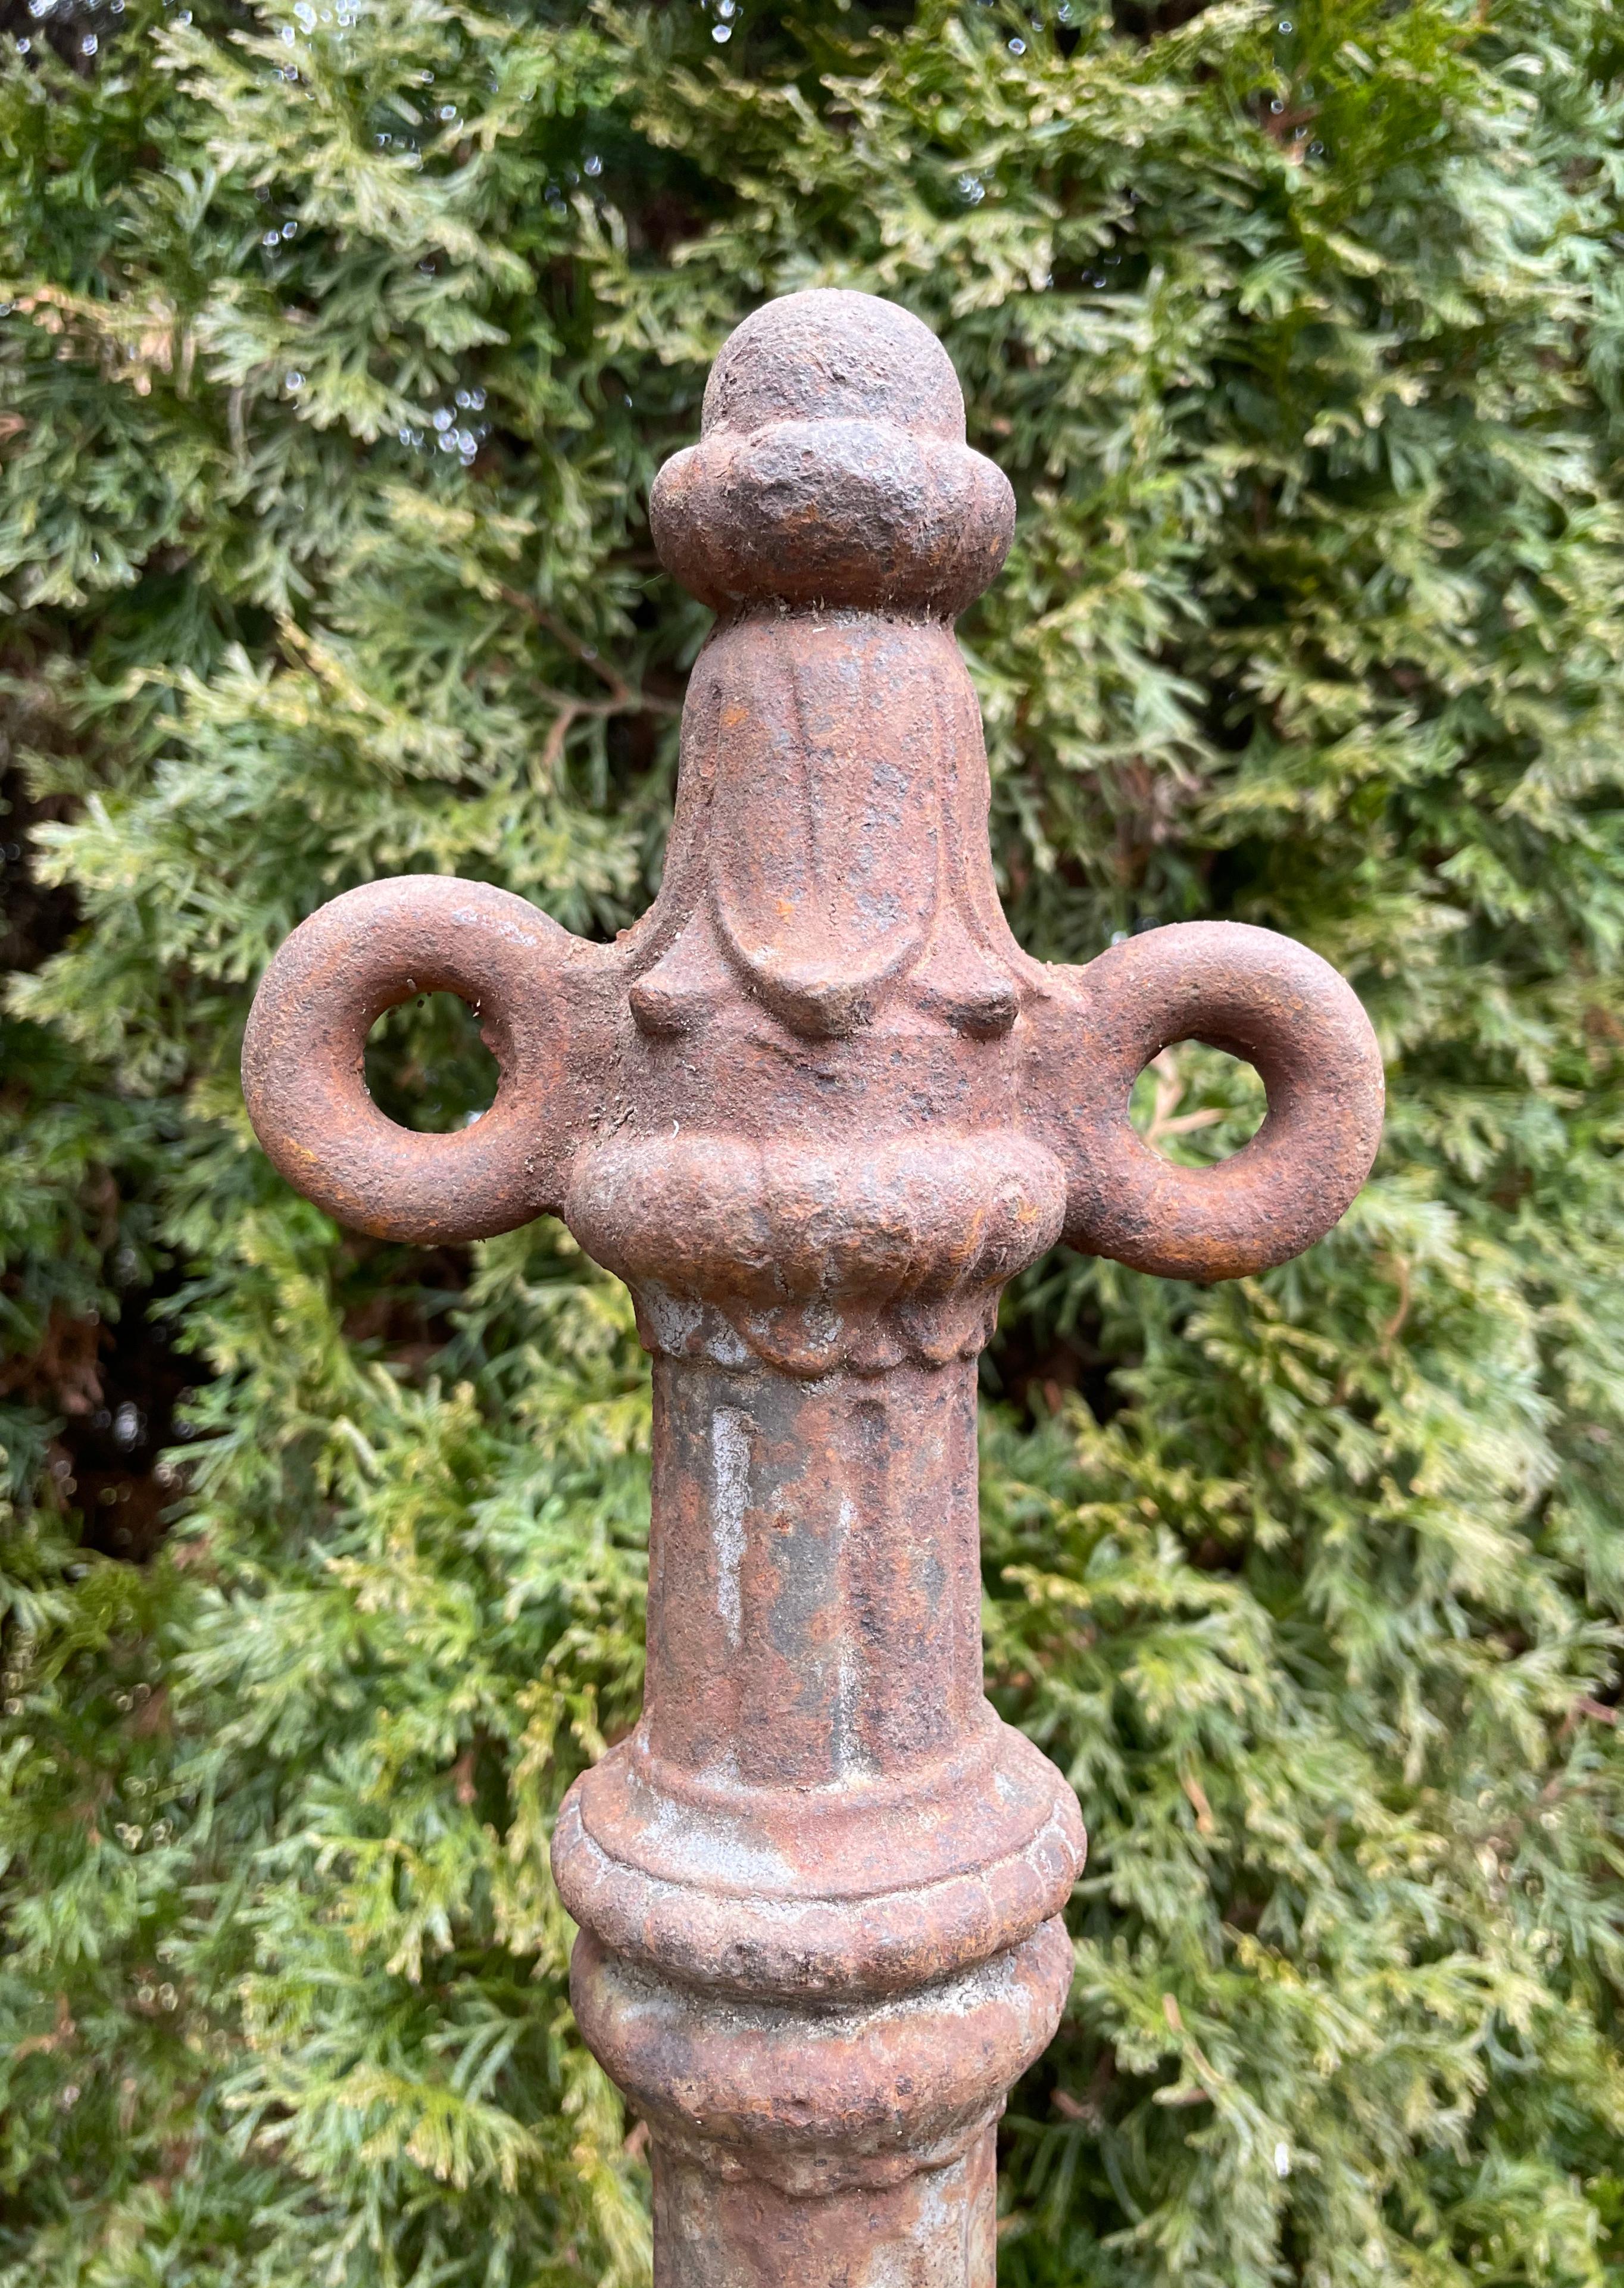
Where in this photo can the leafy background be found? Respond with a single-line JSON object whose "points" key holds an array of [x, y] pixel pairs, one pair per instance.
{"points": [[340, 343]]}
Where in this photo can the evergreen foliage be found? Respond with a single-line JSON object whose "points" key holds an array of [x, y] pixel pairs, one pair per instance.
{"points": [[341, 342]]}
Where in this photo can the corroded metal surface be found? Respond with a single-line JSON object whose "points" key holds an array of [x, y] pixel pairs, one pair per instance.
{"points": [[816, 1109]]}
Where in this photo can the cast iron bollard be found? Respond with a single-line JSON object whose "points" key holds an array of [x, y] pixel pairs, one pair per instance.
{"points": [[815, 1110]]}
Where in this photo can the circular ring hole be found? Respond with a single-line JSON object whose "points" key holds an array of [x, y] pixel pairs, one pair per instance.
{"points": [[426, 1067], [1195, 1105]]}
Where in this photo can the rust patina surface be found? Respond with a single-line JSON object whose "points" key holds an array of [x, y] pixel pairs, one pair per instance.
{"points": [[815, 1110]]}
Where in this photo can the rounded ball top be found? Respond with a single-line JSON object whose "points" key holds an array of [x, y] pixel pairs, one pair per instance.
{"points": [[832, 470], [832, 356]]}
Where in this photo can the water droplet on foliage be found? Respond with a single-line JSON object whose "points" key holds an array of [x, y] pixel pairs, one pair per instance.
{"points": [[721, 33]]}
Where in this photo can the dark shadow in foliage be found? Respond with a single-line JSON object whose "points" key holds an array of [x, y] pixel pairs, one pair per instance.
{"points": [[1146, 23], [106, 1381]]}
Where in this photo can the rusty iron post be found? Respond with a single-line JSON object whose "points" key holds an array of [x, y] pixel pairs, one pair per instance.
{"points": [[815, 1110]]}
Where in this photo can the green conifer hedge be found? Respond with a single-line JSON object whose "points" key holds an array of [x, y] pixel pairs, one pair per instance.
{"points": [[340, 342]]}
